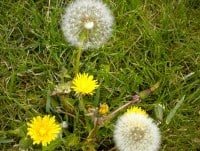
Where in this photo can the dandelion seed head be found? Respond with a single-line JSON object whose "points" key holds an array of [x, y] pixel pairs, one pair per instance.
{"points": [[136, 132], [87, 23]]}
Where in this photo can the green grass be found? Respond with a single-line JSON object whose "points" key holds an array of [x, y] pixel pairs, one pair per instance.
{"points": [[155, 40]]}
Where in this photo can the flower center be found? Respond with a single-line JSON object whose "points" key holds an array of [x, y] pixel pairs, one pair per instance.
{"points": [[42, 131], [137, 134], [89, 25]]}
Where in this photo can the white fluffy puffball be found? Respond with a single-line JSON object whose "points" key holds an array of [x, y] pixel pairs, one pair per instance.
{"points": [[136, 132], [87, 23]]}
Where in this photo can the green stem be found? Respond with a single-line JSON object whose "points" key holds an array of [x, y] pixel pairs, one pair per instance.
{"points": [[82, 104], [44, 148], [91, 139], [144, 94], [103, 120], [136, 99], [92, 135], [77, 62]]}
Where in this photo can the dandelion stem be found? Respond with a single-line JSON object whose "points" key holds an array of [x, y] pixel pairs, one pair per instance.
{"points": [[103, 120], [99, 122], [82, 104], [135, 99], [44, 148], [92, 135], [77, 62], [144, 94], [90, 141]]}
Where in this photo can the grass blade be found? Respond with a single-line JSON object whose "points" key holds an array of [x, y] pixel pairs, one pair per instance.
{"points": [[173, 111]]}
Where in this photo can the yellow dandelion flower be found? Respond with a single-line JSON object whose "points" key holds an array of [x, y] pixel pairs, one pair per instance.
{"points": [[43, 130], [103, 109], [84, 84], [136, 110]]}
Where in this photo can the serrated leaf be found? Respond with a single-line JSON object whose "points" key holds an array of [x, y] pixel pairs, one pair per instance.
{"points": [[67, 103], [72, 140], [53, 145], [25, 142], [62, 88]]}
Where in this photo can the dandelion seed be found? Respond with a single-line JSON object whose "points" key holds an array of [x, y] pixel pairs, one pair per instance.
{"points": [[87, 23], [135, 131], [43, 130]]}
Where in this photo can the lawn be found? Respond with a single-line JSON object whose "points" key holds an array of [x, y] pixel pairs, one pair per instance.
{"points": [[154, 41]]}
